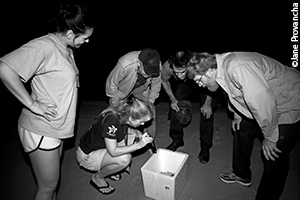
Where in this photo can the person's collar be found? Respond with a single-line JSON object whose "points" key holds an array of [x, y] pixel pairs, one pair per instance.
{"points": [[220, 69]]}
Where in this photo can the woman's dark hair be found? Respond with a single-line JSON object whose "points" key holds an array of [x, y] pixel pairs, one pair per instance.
{"points": [[73, 17], [180, 59]]}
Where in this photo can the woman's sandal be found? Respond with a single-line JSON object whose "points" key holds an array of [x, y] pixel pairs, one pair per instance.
{"points": [[115, 177], [94, 185]]}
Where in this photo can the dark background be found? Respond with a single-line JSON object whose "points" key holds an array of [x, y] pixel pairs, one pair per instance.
{"points": [[165, 26]]}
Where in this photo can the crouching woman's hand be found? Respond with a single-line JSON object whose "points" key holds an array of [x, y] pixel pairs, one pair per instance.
{"points": [[145, 139]]}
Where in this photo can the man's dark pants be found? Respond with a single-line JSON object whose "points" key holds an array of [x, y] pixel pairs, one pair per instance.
{"points": [[274, 176], [183, 91]]}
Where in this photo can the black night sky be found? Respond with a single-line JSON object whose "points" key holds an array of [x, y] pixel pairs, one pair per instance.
{"points": [[167, 27]]}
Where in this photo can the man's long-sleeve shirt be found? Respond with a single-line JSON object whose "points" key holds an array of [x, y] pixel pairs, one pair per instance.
{"points": [[261, 88], [123, 77]]}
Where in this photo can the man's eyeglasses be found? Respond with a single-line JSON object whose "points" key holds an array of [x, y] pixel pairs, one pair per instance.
{"points": [[198, 80]]}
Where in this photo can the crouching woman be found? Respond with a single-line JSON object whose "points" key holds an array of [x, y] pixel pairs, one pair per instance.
{"points": [[104, 147]]}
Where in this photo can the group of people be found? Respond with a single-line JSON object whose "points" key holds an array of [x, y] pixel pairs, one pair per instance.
{"points": [[263, 94]]}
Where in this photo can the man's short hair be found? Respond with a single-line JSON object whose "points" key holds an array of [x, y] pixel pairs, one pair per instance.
{"points": [[200, 63], [180, 59]]}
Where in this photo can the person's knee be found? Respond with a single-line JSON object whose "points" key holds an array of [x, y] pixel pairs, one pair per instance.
{"points": [[125, 160], [48, 186]]}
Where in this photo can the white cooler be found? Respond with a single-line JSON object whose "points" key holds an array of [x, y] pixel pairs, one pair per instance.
{"points": [[164, 174]]}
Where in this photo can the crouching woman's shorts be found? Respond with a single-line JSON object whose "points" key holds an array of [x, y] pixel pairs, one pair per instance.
{"points": [[91, 161]]}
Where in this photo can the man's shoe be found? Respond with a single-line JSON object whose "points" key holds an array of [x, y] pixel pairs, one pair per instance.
{"points": [[232, 178], [204, 156], [175, 145]]}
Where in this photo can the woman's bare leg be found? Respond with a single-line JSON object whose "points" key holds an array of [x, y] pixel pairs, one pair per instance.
{"points": [[110, 165], [46, 167]]}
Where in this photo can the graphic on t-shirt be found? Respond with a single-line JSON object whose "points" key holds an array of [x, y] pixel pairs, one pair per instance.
{"points": [[112, 130]]}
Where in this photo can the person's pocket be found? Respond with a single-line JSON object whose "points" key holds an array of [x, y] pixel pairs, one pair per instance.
{"points": [[84, 160]]}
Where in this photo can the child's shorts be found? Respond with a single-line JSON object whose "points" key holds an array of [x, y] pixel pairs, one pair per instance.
{"points": [[32, 141]]}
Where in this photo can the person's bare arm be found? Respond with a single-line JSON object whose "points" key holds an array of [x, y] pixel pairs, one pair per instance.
{"points": [[168, 89], [14, 84]]}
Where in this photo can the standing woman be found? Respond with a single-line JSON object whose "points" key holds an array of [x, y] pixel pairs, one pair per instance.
{"points": [[105, 147], [49, 113]]}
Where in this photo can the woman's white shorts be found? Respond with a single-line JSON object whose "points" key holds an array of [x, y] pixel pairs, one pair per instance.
{"points": [[32, 141]]}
